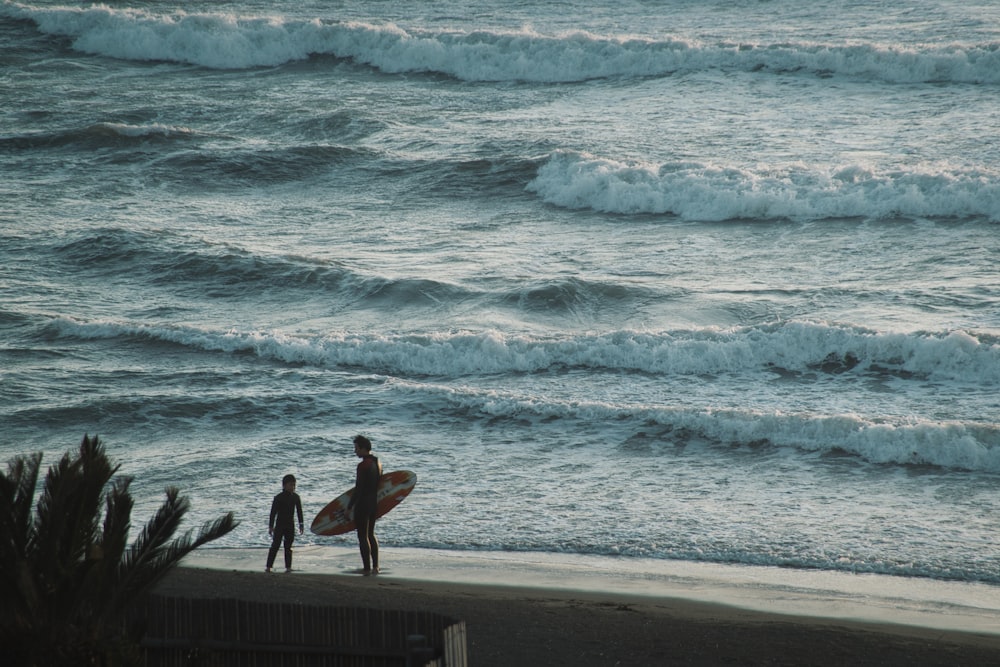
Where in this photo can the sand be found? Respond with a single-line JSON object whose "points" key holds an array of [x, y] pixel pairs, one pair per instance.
{"points": [[575, 622]]}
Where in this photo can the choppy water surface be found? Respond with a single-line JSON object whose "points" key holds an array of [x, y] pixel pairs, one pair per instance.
{"points": [[685, 282]]}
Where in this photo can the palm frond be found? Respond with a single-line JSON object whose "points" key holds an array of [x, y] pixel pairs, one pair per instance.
{"points": [[68, 527], [67, 572], [172, 554], [162, 526], [117, 520], [68, 508], [17, 491], [50, 513], [169, 557], [152, 556], [102, 580]]}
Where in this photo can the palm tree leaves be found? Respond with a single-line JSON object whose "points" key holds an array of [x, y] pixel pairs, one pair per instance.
{"points": [[17, 488], [152, 554], [68, 573], [66, 529]]}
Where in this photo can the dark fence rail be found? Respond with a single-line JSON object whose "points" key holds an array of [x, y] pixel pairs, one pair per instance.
{"points": [[185, 632]]}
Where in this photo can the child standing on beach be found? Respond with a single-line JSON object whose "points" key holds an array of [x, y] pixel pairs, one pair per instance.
{"points": [[281, 525]]}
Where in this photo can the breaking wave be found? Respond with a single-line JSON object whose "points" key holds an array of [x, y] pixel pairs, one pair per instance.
{"points": [[225, 41]]}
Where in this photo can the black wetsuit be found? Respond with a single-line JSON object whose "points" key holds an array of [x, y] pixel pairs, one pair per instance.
{"points": [[365, 501], [282, 522]]}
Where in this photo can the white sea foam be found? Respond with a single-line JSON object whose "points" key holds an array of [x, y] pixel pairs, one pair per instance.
{"points": [[138, 131], [227, 41], [955, 356], [704, 191], [917, 442], [950, 356]]}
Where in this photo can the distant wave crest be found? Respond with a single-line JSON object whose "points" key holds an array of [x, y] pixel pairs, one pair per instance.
{"points": [[426, 363], [99, 135], [225, 41], [699, 191], [788, 347], [955, 445]]}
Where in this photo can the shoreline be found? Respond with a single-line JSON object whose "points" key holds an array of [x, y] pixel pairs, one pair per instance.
{"points": [[838, 596], [521, 609]]}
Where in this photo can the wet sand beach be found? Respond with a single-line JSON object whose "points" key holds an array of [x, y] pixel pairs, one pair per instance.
{"points": [[514, 624]]}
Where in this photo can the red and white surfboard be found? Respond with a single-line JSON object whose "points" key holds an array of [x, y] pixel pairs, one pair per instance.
{"points": [[392, 489]]}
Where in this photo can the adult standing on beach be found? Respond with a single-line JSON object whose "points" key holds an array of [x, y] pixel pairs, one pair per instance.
{"points": [[364, 502], [281, 525]]}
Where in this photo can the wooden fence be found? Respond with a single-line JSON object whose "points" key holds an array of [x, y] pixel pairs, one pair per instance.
{"points": [[183, 632]]}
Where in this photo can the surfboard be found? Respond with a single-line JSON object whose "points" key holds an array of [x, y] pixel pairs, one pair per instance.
{"points": [[392, 489]]}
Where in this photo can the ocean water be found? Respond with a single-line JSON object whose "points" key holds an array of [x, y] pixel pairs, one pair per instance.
{"points": [[691, 280]]}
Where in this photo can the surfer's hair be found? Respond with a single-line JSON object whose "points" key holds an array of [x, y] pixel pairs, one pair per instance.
{"points": [[363, 442], [288, 479]]}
